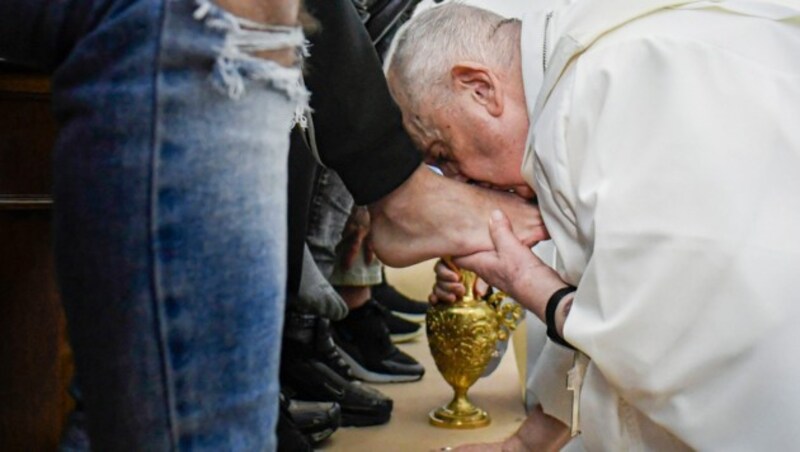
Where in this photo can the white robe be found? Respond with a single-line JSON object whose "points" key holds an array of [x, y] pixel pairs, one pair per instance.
{"points": [[665, 149]]}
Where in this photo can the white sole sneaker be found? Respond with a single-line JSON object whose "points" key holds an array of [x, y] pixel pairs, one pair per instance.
{"points": [[362, 373], [416, 318], [405, 337]]}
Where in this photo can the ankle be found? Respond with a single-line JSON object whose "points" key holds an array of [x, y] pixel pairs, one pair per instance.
{"points": [[355, 296]]}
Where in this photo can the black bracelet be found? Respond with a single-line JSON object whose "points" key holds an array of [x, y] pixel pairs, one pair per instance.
{"points": [[550, 315]]}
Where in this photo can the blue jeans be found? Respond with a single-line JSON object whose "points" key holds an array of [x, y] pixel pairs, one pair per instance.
{"points": [[170, 213], [330, 207], [331, 204]]}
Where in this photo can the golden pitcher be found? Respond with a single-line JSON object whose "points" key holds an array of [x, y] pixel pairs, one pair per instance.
{"points": [[463, 337]]}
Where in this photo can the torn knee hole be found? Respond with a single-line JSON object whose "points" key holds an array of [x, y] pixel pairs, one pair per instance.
{"points": [[254, 51]]}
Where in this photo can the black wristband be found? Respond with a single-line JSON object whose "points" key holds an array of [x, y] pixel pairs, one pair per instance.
{"points": [[550, 315]]}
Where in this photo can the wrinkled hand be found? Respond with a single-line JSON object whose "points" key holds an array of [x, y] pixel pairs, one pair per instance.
{"points": [[508, 262], [512, 267], [511, 444], [449, 287], [538, 432], [481, 447], [355, 238]]}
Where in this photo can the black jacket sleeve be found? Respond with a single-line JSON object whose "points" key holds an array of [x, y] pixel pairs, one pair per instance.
{"points": [[358, 128]]}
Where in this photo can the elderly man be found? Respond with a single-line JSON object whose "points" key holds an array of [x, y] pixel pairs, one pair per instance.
{"points": [[661, 140]]}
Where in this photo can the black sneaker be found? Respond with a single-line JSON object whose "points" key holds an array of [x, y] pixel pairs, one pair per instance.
{"points": [[316, 420], [290, 438], [363, 340], [326, 351], [310, 378], [400, 330], [399, 304], [312, 334]]}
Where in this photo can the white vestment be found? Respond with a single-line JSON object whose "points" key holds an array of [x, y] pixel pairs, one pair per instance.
{"points": [[665, 150]]}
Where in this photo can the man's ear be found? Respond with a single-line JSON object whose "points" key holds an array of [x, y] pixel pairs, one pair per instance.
{"points": [[481, 83]]}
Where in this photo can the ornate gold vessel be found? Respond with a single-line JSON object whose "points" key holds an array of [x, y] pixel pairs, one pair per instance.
{"points": [[463, 337]]}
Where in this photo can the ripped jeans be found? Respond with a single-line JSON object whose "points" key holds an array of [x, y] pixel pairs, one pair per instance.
{"points": [[170, 213]]}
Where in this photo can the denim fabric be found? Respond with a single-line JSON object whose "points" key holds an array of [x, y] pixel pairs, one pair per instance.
{"points": [[330, 207], [170, 214], [360, 273], [315, 294], [331, 204]]}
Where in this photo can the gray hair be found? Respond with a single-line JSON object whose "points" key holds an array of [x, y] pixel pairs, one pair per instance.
{"points": [[426, 47]]}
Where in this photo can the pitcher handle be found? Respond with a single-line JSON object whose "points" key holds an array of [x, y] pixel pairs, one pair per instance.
{"points": [[508, 314]]}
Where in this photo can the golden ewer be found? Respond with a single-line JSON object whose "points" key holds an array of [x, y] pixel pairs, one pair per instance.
{"points": [[463, 337]]}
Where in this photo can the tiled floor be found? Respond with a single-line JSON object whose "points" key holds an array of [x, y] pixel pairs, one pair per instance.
{"points": [[500, 394]]}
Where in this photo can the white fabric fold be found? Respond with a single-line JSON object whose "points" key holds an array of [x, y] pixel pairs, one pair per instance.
{"points": [[666, 154]]}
